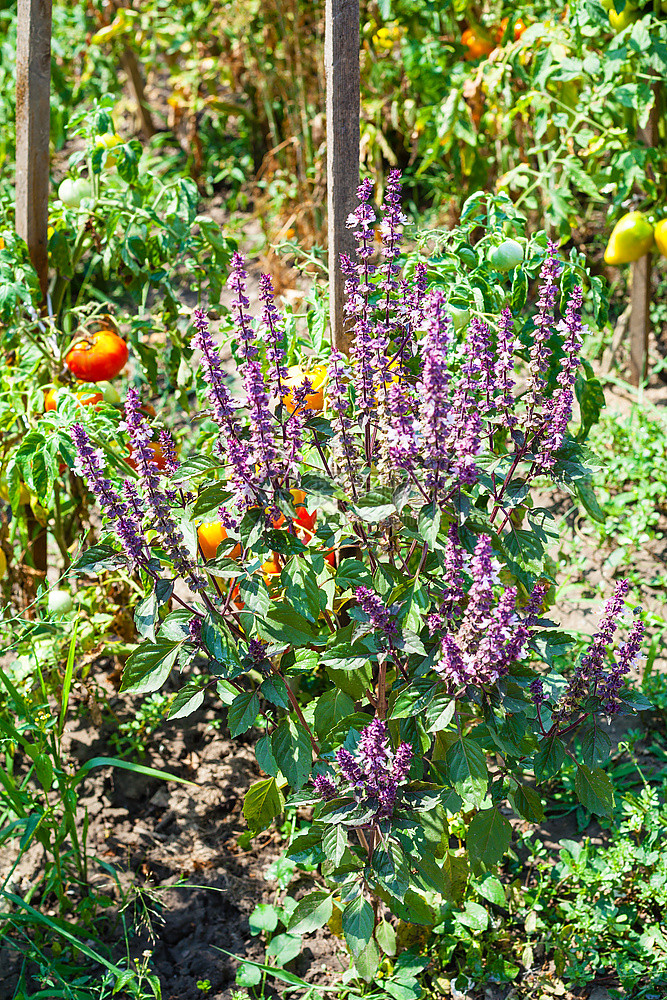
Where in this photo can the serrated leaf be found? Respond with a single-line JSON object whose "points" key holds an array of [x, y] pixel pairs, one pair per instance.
{"points": [[358, 921], [385, 935], [528, 803], [368, 961], [332, 707], [549, 759], [293, 752], [489, 836], [334, 843], [242, 712], [466, 764], [490, 888], [311, 913], [262, 803], [265, 758], [595, 746], [286, 625], [149, 666], [301, 588], [594, 790], [188, 699], [390, 868]]}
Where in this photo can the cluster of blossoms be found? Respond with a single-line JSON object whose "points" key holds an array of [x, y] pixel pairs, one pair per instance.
{"points": [[372, 775], [480, 637], [599, 674], [146, 506], [433, 426]]}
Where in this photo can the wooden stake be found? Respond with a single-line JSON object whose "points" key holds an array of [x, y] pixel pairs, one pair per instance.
{"points": [[33, 84], [341, 65], [640, 290]]}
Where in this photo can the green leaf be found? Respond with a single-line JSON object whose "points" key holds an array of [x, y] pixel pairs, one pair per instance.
{"points": [[332, 707], [549, 759], [528, 803], [188, 699], [311, 913], [358, 923], [466, 765], [368, 961], [149, 666], [375, 506], [242, 712], [352, 573], [385, 935], [219, 642], [595, 746], [587, 496], [286, 625], [301, 588], [334, 843], [262, 803], [594, 790], [274, 689], [429, 523], [263, 918], [489, 836], [284, 948], [473, 916], [390, 869], [293, 752], [490, 888], [94, 560], [265, 758], [248, 974]]}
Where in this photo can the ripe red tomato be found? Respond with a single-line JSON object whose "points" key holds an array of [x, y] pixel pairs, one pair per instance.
{"points": [[98, 359]]}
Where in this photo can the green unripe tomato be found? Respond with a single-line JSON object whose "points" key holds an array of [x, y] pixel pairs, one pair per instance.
{"points": [[59, 602], [467, 255], [72, 192], [460, 316], [621, 21], [111, 394], [506, 256]]}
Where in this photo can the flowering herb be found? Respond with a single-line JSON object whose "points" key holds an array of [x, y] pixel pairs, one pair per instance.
{"points": [[384, 552]]}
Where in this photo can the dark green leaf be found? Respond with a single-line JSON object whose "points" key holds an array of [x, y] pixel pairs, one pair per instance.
{"points": [[149, 666], [293, 752], [390, 868], [311, 913], [488, 838], [594, 790], [549, 759], [358, 922], [332, 707], [242, 712], [301, 588], [262, 803]]}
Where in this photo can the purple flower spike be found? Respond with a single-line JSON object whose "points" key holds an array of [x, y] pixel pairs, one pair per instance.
{"points": [[505, 369], [373, 774], [237, 283], [224, 409], [171, 462], [540, 351], [157, 502], [273, 336], [433, 390], [124, 517], [380, 617], [401, 438]]}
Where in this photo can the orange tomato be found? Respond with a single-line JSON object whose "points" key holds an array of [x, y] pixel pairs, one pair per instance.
{"points": [[519, 28], [84, 398], [477, 42], [317, 377], [99, 358], [210, 535]]}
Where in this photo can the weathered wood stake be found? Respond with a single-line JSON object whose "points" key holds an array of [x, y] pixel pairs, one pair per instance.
{"points": [[341, 64], [33, 84], [640, 289]]}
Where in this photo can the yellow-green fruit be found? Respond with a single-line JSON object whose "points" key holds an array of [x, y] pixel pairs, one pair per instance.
{"points": [[630, 239], [620, 21], [3, 564], [660, 234]]}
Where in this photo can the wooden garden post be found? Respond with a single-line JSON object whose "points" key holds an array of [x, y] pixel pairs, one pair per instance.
{"points": [[33, 84], [640, 289], [33, 87], [341, 65]]}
